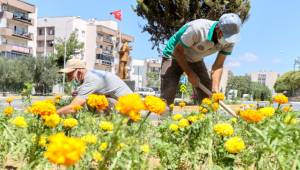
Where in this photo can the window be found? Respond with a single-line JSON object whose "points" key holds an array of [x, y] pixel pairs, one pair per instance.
{"points": [[83, 33], [41, 31], [50, 30]]}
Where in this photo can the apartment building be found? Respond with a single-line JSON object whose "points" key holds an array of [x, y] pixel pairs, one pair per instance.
{"points": [[102, 39], [17, 28], [267, 78]]}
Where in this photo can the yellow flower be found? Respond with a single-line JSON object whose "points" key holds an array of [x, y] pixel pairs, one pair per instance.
{"points": [[77, 108], [171, 106], [106, 126], [233, 120], [251, 115], [70, 123], [215, 106], [202, 109], [64, 150], [19, 121], [289, 119], [98, 102], [182, 104], [177, 117], [267, 111], [173, 127], [42, 108], [201, 116], [280, 99], [206, 101], [183, 123], [97, 156], [192, 119], [43, 141], [103, 146], [89, 139], [217, 97], [234, 145], [8, 111], [51, 120], [130, 105], [155, 104], [9, 100], [223, 129], [287, 109], [145, 148]]}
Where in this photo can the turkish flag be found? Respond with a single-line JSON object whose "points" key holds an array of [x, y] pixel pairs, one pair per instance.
{"points": [[117, 14]]}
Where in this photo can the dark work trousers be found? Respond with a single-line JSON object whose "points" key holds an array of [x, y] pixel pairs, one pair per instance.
{"points": [[170, 76]]}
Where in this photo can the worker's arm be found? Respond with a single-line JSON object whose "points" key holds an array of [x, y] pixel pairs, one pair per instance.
{"points": [[69, 108], [216, 71], [180, 58]]}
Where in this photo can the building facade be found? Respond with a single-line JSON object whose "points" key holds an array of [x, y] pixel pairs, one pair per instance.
{"points": [[18, 21], [102, 39], [267, 78]]}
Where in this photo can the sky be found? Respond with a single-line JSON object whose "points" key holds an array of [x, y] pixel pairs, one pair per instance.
{"points": [[270, 39]]}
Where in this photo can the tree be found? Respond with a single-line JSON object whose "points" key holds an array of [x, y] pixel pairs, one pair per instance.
{"points": [[166, 17], [240, 83], [73, 46], [289, 82], [153, 79], [260, 91]]}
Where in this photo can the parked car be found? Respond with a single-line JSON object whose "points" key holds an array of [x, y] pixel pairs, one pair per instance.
{"points": [[146, 91]]}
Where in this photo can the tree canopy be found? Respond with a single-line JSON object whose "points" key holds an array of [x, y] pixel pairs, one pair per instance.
{"points": [[165, 17]]}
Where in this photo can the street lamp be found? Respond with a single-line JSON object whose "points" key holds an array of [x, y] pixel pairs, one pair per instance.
{"points": [[65, 50]]}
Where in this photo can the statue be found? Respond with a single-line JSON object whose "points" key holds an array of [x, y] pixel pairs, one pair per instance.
{"points": [[123, 60]]}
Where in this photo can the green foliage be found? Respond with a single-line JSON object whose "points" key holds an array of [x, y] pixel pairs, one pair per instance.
{"points": [[73, 47], [166, 17], [14, 73], [153, 79], [260, 91], [289, 81]]}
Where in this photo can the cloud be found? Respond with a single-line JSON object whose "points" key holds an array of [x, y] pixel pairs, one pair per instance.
{"points": [[276, 60], [233, 64], [247, 57]]}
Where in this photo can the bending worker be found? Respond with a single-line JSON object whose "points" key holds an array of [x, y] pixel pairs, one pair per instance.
{"points": [[186, 49], [92, 82]]}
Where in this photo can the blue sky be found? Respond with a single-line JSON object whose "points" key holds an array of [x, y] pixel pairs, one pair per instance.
{"points": [[270, 39]]}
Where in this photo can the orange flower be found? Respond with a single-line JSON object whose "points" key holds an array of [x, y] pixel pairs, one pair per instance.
{"points": [[98, 102], [251, 115], [280, 99], [217, 97], [130, 105], [155, 104]]}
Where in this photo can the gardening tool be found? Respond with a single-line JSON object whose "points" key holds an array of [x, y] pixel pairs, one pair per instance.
{"points": [[222, 104]]}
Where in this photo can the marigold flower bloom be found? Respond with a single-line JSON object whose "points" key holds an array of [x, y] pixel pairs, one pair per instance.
{"points": [[155, 104], [267, 111], [42, 108], [63, 150], [177, 116], [280, 99], [19, 121], [8, 111], [106, 126], [223, 129], [130, 105], [183, 123], [234, 145], [70, 123], [251, 115], [89, 139], [98, 102], [217, 97], [52, 120]]}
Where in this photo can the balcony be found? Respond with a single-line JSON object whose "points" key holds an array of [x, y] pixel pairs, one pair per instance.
{"points": [[42, 37], [22, 18], [25, 35], [15, 48], [104, 57], [108, 40]]}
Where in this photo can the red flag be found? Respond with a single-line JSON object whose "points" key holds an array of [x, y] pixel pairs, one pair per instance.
{"points": [[117, 14]]}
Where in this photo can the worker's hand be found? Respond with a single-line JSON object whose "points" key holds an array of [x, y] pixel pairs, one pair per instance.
{"points": [[194, 79]]}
